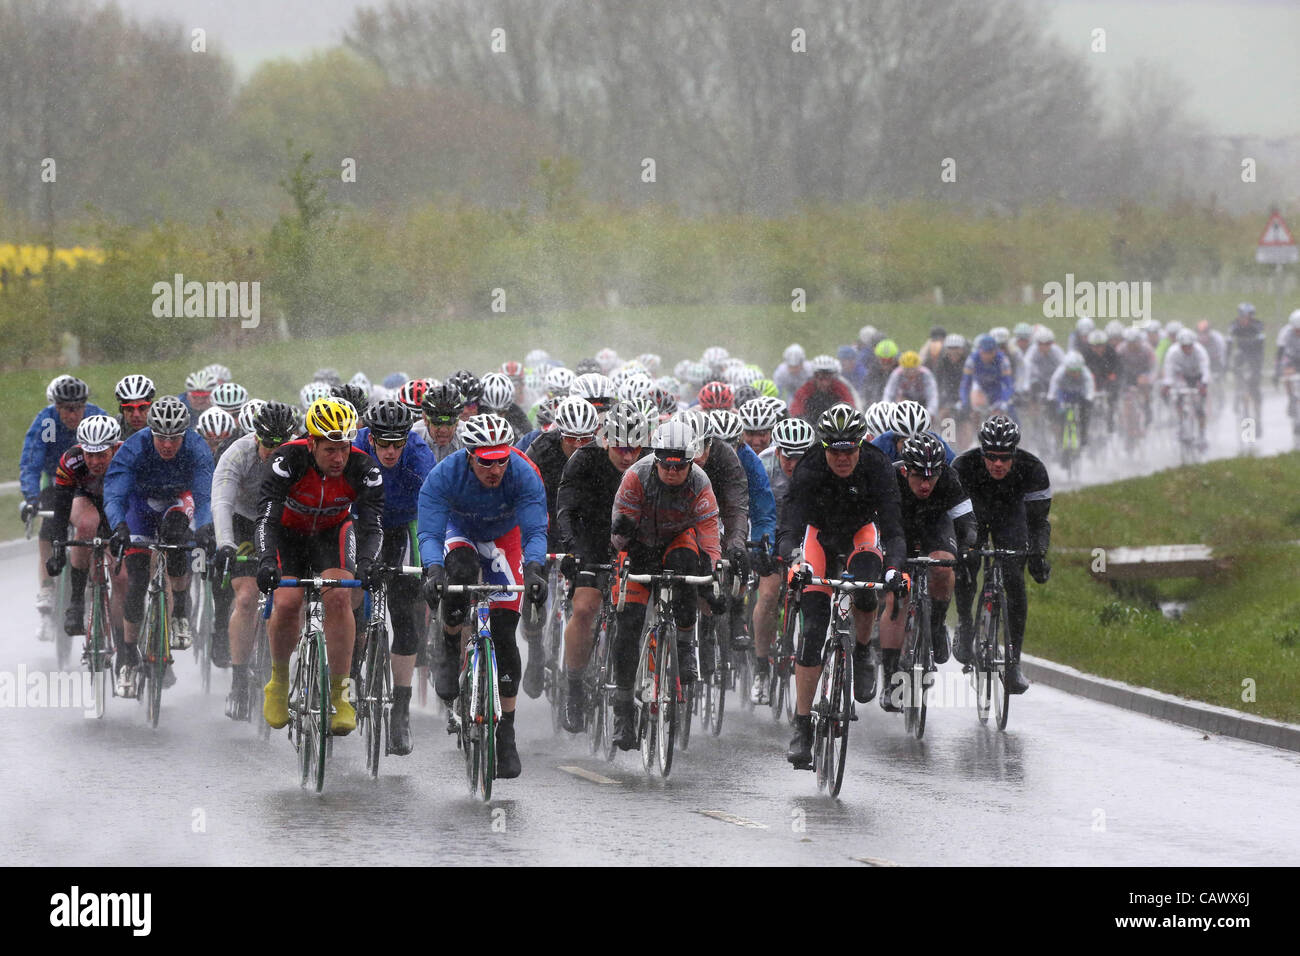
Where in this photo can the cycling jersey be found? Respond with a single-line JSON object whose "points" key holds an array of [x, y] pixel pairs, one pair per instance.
{"points": [[72, 479], [1104, 366], [889, 444], [731, 489], [947, 378], [236, 489], [1136, 359], [1217, 347], [814, 397], [547, 453], [584, 503], [943, 522], [298, 497], [1186, 368], [526, 442], [993, 378], [1246, 342], [873, 386], [789, 379], [518, 419], [777, 479], [452, 494], [913, 384], [662, 512], [762, 503], [46, 440], [1022, 499], [1040, 366], [137, 471], [402, 482], [1288, 347], [1065, 387]]}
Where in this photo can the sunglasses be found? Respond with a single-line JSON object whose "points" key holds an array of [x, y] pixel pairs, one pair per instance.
{"points": [[338, 434], [491, 463], [991, 456], [70, 406], [672, 465], [271, 442], [133, 406], [625, 449], [841, 448], [385, 443], [169, 439]]}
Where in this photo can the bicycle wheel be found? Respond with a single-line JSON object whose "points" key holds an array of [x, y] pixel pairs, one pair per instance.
{"points": [[596, 710], [925, 670], [823, 753], [647, 698], [982, 666], [469, 738], [741, 679], [98, 659], [908, 660], [203, 636], [299, 710], [259, 673], [721, 678], [487, 770], [372, 710], [1001, 649], [318, 709], [842, 695], [669, 694], [155, 660]]}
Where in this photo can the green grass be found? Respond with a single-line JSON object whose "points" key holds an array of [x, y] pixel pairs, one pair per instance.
{"points": [[1242, 624], [10, 526]]}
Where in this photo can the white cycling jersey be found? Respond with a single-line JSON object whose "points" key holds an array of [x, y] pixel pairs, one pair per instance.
{"points": [[918, 386], [1186, 367], [1060, 386]]}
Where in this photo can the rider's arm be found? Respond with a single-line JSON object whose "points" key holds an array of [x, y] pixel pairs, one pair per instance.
{"points": [[1038, 502], [931, 392], [1006, 378], [883, 484], [530, 507], [798, 506], [120, 477], [364, 475], [279, 474], [967, 378], [762, 504], [568, 500], [628, 504], [1089, 385], [201, 477], [431, 522], [225, 489], [32, 462], [65, 485], [732, 492]]}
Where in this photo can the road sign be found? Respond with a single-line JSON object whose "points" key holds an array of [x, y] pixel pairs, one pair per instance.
{"points": [[1276, 246]]}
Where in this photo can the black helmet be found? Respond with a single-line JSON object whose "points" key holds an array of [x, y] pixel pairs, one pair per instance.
{"points": [[545, 411], [330, 375], [467, 383], [938, 332], [841, 426], [586, 366], [743, 394], [664, 399], [924, 455], [443, 403], [354, 395], [69, 389], [275, 423], [389, 419], [999, 434], [168, 416]]}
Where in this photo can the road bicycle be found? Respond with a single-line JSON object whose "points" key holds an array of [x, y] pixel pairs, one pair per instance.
{"points": [[97, 653], [916, 658], [50, 627], [1188, 428], [1070, 437], [781, 691], [722, 666], [555, 680], [992, 646], [598, 680], [155, 631]]}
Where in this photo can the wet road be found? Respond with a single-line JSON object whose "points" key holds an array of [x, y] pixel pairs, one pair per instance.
{"points": [[1071, 782]]}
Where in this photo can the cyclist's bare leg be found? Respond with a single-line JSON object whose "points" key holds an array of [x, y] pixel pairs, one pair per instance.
{"points": [[765, 614], [862, 622], [891, 627], [242, 619], [577, 633], [403, 668], [340, 625], [282, 628]]}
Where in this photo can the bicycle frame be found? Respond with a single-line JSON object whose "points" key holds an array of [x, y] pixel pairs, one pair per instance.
{"points": [[98, 650], [155, 631]]}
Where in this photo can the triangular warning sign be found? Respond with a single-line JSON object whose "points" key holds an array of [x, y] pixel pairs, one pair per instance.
{"points": [[1276, 233]]}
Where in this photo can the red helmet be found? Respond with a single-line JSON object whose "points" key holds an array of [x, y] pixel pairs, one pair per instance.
{"points": [[411, 394], [716, 395], [512, 370]]}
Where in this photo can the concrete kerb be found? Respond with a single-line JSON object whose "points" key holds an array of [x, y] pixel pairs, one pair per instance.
{"points": [[1208, 718]]}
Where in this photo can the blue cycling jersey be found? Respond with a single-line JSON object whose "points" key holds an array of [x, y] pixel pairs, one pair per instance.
{"points": [[138, 470], [451, 492], [403, 481], [46, 440], [995, 378], [527, 439], [886, 443], [762, 503]]}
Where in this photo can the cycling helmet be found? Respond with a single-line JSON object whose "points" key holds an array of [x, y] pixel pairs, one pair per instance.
{"points": [[626, 371], [513, 370], [841, 426], [1044, 335], [1023, 330], [443, 405], [1073, 362], [910, 419], [248, 412], [49, 389], [1246, 310], [330, 375], [1172, 328], [168, 416], [586, 366], [389, 420], [595, 388], [986, 343], [229, 395], [607, 359], [626, 427], [746, 375], [793, 354], [360, 380], [725, 424], [636, 386], [793, 436], [824, 363], [69, 389], [999, 433], [867, 334], [311, 392], [135, 388], [766, 387], [647, 407], [467, 384], [955, 341], [886, 349], [1293, 319], [1152, 325], [395, 380], [412, 393], [1084, 325], [1001, 334], [879, 417], [216, 422], [761, 414], [354, 395], [559, 380], [537, 357], [201, 381], [674, 442], [716, 395], [275, 423], [650, 362], [1186, 337], [670, 385], [910, 359], [1114, 329], [219, 372], [543, 412], [715, 355], [576, 417], [664, 400], [924, 456], [1132, 334], [498, 391], [697, 373], [743, 394], [1096, 337], [332, 420], [98, 432], [699, 423], [489, 436]]}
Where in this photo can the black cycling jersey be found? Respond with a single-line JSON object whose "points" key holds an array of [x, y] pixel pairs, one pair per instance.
{"points": [[548, 455], [1246, 343], [731, 488], [585, 504], [838, 507], [518, 419], [946, 517], [1023, 496]]}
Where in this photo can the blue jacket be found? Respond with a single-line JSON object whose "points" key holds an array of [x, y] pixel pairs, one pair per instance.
{"points": [[527, 439], [137, 469], [452, 493], [994, 378], [762, 503], [42, 457], [403, 481], [885, 442]]}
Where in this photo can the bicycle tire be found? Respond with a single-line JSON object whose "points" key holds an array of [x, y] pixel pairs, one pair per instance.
{"points": [[925, 671], [203, 636], [98, 658], [742, 681], [1002, 693], [843, 695], [370, 699], [469, 732], [321, 718], [670, 691], [821, 709], [488, 727], [259, 676], [981, 669], [908, 656], [157, 664], [595, 710], [647, 702], [298, 732]]}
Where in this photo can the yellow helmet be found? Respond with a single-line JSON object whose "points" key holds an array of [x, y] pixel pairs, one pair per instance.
{"points": [[332, 419], [910, 359]]}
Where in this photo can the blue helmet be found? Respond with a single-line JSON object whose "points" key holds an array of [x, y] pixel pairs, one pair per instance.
{"points": [[986, 343]]}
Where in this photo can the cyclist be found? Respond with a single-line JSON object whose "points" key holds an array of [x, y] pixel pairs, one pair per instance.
{"points": [[358, 398], [880, 370], [1041, 364], [1104, 364], [665, 518], [585, 502], [216, 426], [442, 409], [1215, 345], [158, 486], [219, 373], [949, 368], [1078, 340], [499, 399], [1012, 496], [79, 498], [305, 526], [1245, 353], [576, 421], [1288, 348], [236, 493], [823, 390], [714, 395], [938, 521], [851, 368], [229, 397], [793, 371], [758, 416], [932, 350], [471, 391], [841, 507], [484, 511], [1072, 383], [912, 382], [986, 378], [1137, 368], [197, 396], [1188, 364], [868, 338], [908, 420], [544, 414], [596, 388], [52, 432], [404, 462], [135, 393]]}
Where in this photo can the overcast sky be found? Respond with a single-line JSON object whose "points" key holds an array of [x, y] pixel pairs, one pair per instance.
{"points": [[1238, 56]]}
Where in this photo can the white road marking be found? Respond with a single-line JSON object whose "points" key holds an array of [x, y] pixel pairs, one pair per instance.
{"points": [[732, 818], [591, 775], [874, 861]]}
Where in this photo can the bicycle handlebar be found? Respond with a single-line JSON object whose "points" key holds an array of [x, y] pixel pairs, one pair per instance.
{"points": [[926, 561], [846, 584], [316, 582], [484, 588]]}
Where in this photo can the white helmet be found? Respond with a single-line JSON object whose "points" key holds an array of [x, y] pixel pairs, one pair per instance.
{"points": [[97, 432], [216, 422], [794, 436], [1044, 335], [1172, 328], [249, 412], [1001, 334], [485, 431], [360, 381], [879, 417], [715, 355], [1132, 334], [1084, 325], [761, 414], [793, 354], [135, 388], [635, 386], [229, 395], [824, 363], [219, 372], [598, 389], [954, 340], [576, 417], [313, 391], [1114, 329], [1096, 337], [559, 379], [607, 359], [201, 381], [537, 357], [675, 440], [698, 420], [1293, 319], [670, 385], [650, 361], [725, 424], [910, 419], [498, 391], [1186, 337], [867, 334]]}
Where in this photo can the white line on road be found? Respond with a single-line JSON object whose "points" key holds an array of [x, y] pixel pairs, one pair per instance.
{"points": [[874, 861], [732, 818], [591, 775]]}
